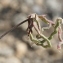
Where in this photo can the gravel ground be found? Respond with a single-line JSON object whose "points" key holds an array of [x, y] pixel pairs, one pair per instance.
{"points": [[16, 47]]}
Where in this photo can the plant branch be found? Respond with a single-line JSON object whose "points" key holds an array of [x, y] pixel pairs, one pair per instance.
{"points": [[13, 28]]}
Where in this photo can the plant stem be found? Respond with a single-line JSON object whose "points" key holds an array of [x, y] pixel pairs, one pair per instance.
{"points": [[13, 28]]}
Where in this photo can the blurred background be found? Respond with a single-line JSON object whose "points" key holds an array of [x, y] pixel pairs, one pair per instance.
{"points": [[16, 47]]}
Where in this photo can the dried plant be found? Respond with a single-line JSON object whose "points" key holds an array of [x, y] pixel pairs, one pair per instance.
{"points": [[34, 22]]}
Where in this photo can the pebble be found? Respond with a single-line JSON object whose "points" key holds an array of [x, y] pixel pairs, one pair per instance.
{"points": [[29, 2], [5, 50], [19, 18], [12, 60], [20, 49], [24, 8], [36, 9], [9, 60], [39, 2]]}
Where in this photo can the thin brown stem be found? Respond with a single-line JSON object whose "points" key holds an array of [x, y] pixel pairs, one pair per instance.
{"points": [[13, 28]]}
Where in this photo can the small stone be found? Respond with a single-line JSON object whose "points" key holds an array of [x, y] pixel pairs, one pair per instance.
{"points": [[39, 2], [5, 50], [9, 39], [19, 18], [12, 60], [29, 2], [36, 9], [5, 25], [2, 59], [20, 49], [24, 8], [5, 2]]}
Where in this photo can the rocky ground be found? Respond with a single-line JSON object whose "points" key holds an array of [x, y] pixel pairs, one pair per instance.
{"points": [[16, 47]]}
